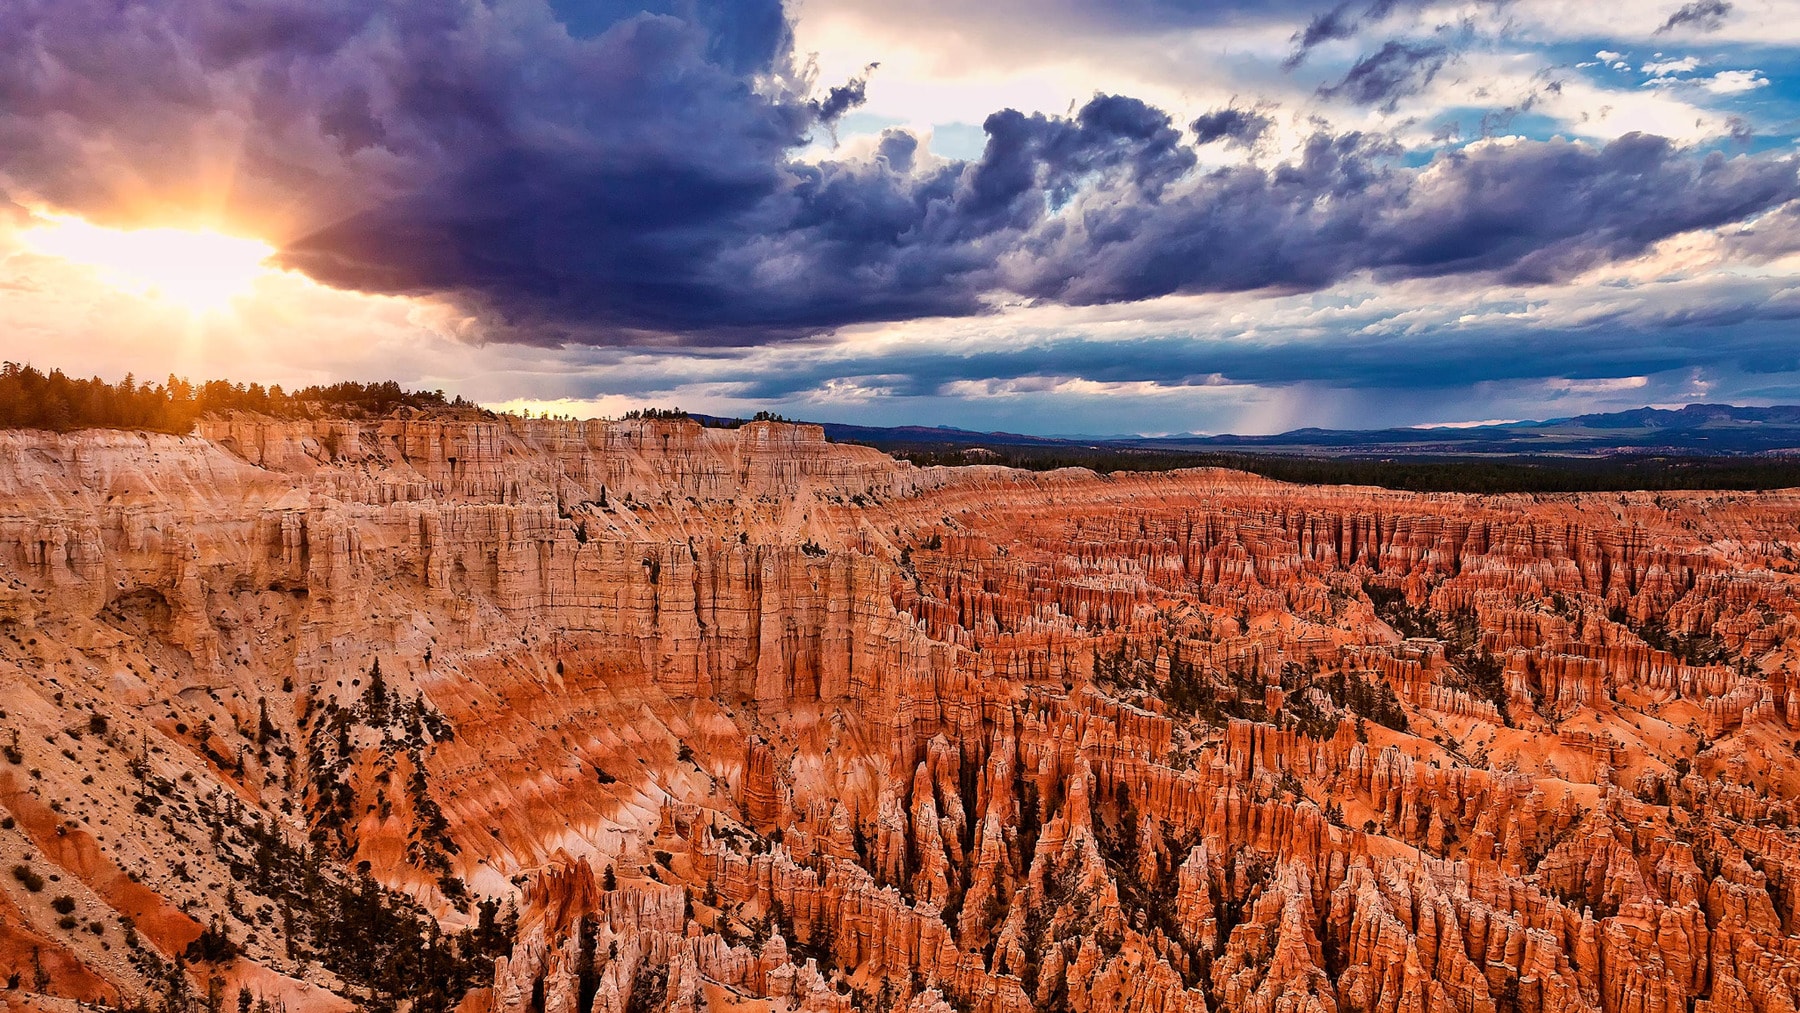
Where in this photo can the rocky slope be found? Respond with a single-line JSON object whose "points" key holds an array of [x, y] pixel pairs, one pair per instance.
{"points": [[592, 718]]}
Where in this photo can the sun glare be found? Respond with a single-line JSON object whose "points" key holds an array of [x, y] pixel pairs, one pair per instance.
{"points": [[197, 269]]}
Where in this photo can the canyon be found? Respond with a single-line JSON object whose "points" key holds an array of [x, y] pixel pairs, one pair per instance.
{"points": [[504, 715]]}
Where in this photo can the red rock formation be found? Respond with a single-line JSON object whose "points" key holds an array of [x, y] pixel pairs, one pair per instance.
{"points": [[742, 718]]}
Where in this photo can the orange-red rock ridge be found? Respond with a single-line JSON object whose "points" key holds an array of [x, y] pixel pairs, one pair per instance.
{"points": [[850, 734]]}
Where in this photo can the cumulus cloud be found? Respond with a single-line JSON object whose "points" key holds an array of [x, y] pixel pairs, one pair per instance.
{"points": [[1663, 68], [1725, 82], [1730, 82]]}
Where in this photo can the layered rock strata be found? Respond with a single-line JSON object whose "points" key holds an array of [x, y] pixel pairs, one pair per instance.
{"points": [[642, 716]]}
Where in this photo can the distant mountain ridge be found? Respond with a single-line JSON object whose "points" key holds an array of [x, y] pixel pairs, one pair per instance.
{"points": [[1698, 429]]}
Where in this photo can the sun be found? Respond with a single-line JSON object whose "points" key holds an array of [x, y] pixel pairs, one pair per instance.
{"points": [[198, 269]]}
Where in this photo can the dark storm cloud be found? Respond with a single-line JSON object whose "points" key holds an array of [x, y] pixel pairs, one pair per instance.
{"points": [[1733, 332], [1348, 19], [1392, 72], [1701, 15], [1107, 206], [845, 97], [1337, 23], [839, 242], [1233, 126], [628, 175], [1736, 325], [1735, 338], [340, 103], [1528, 211]]}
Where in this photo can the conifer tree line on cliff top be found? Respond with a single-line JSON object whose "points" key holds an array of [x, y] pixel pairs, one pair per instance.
{"points": [[33, 399]]}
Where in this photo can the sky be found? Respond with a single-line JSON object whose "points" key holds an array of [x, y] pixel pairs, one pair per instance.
{"points": [[1045, 216]]}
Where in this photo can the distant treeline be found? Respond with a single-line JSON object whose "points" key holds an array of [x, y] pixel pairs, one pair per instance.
{"points": [[33, 399], [1477, 475]]}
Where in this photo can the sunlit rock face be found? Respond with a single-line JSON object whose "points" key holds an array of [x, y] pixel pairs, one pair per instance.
{"points": [[592, 718]]}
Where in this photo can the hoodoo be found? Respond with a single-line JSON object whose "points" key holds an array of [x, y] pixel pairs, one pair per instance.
{"points": [[512, 716]]}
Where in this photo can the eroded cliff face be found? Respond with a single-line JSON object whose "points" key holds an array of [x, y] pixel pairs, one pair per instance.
{"points": [[586, 718]]}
